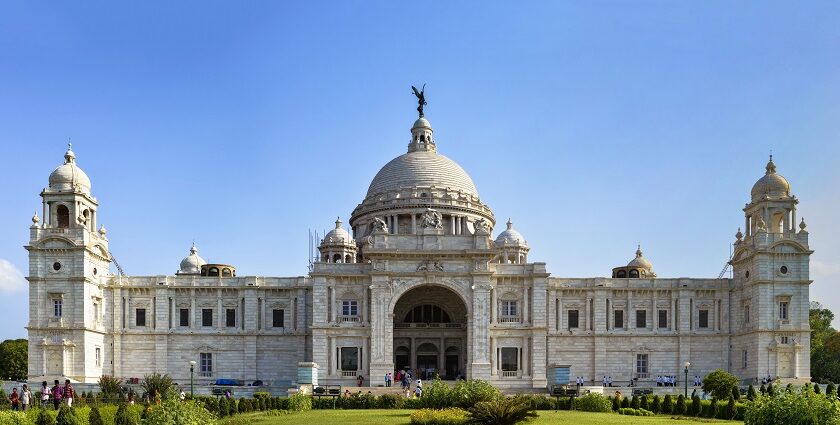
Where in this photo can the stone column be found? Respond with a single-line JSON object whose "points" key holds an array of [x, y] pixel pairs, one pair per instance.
{"points": [[220, 316], [381, 328], [525, 306], [493, 360], [413, 224], [192, 309], [333, 309], [480, 335], [494, 319]]}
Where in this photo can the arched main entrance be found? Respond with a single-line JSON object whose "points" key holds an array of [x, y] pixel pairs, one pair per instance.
{"points": [[430, 333]]}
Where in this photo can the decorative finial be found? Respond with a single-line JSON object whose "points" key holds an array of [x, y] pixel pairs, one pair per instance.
{"points": [[802, 225], [35, 219], [69, 156], [193, 250], [771, 167], [509, 224], [338, 222], [638, 250], [421, 98], [739, 235], [102, 230]]}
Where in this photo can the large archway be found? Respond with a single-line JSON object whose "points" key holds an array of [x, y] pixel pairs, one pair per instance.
{"points": [[430, 333]]}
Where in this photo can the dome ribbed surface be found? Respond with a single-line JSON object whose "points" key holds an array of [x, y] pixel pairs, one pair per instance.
{"points": [[421, 169]]}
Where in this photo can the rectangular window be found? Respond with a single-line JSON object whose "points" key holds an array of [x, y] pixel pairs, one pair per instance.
{"points": [[349, 358], [230, 317], [703, 319], [184, 319], [98, 356], [641, 365], [57, 308], [784, 340], [744, 363], [140, 317], [205, 364], [510, 359], [573, 319], [618, 319], [509, 308], [663, 319], [349, 308], [746, 314], [206, 317], [277, 317], [641, 318], [783, 310]]}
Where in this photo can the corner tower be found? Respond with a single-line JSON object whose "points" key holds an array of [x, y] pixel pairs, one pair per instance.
{"points": [[68, 262], [771, 284]]}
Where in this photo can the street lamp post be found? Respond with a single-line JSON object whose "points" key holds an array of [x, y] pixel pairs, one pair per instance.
{"points": [[192, 371], [687, 364]]}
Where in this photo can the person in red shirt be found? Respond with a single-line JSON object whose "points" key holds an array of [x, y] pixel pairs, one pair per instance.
{"points": [[68, 393], [56, 393], [15, 399]]}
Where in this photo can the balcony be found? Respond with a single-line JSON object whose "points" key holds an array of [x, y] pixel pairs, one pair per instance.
{"points": [[510, 319], [429, 325], [349, 373], [510, 373], [345, 319]]}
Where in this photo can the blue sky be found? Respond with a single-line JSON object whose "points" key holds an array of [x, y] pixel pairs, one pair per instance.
{"points": [[593, 125]]}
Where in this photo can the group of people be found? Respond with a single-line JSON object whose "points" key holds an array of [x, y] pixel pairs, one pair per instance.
{"points": [[23, 400], [766, 380], [607, 381], [579, 381], [667, 381]]}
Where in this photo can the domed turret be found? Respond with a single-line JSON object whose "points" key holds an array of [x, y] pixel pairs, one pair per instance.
{"points": [[191, 264], [338, 246], [69, 176], [638, 267], [771, 185], [512, 246]]}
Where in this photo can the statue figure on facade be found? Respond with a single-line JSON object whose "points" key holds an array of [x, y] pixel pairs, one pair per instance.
{"points": [[421, 98], [482, 227], [760, 225], [379, 225], [432, 219]]}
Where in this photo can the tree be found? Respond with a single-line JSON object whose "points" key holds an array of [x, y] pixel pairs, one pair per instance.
{"points": [[731, 409], [719, 384], [667, 404], [825, 345], [156, 385], [13, 359], [679, 408], [656, 405], [751, 393]]}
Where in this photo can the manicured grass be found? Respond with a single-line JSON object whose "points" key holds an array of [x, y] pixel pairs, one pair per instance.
{"points": [[400, 417]]}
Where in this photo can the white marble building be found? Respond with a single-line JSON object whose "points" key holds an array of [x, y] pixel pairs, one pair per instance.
{"points": [[417, 282]]}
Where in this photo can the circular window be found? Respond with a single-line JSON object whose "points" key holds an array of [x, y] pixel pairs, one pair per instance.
{"points": [[783, 269], [94, 271], [747, 274], [56, 266]]}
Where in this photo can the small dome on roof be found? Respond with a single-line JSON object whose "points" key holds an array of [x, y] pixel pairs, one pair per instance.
{"points": [[510, 236], [338, 234], [640, 261], [771, 184], [421, 123], [68, 176], [192, 263]]}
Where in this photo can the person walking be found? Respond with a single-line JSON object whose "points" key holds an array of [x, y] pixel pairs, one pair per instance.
{"points": [[56, 394], [14, 397], [68, 393], [45, 395], [25, 397]]}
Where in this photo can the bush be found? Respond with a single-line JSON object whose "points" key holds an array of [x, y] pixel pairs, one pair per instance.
{"points": [[390, 401], [644, 403], [736, 393], [14, 418], [95, 418], [794, 407], [751, 393], [450, 416], [593, 402], [635, 412], [770, 390], [696, 408], [656, 405], [222, 407], [123, 417], [679, 408], [719, 384], [436, 395], [300, 402], [232, 406], [830, 389], [173, 411], [507, 411], [667, 404], [635, 403], [817, 389], [625, 403], [616, 404], [730, 409], [466, 394], [67, 416], [762, 389], [540, 402], [44, 418], [156, 385]]}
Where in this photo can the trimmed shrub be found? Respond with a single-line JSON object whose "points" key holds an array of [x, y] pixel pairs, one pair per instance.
{"points": [[300, 402], [667, 404], [696, 408], [635, 412], [466, 394], [505, 411], [8, 417], [830, 389], [770, 390], [232, 406], [730, 409], [616, 404], [44, 418], [751, 393], [635, 403], [762, 389], [643, 403], [656, 405], [95, 418], [593, 402], [625, 403], [736, 393], [222, 407], [789, 388], [173, 411], [795, 407], [436, 395], [450, 416], [67, 416], [390, 401], [679, 408], [156, 385], [719, 383]]}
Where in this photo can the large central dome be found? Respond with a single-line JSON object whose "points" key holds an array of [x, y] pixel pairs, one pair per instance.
{"points": [[422, 169]]}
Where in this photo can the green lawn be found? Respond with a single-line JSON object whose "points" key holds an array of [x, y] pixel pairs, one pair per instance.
{"points": [[400, 417]]}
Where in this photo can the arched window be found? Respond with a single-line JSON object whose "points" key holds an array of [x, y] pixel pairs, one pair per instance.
{"points": [[348, 258], [337, 258], [778, 223], [427, 313], [621, 273], [634, 273], [213, 272], [226, 272], [62, 215]]}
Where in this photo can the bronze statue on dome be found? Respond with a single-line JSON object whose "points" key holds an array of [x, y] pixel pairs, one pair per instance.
{"points": [[421, 98]]}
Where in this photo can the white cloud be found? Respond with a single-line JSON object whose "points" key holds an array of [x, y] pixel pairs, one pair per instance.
{"points": [[823, 271], [11, 279]]}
